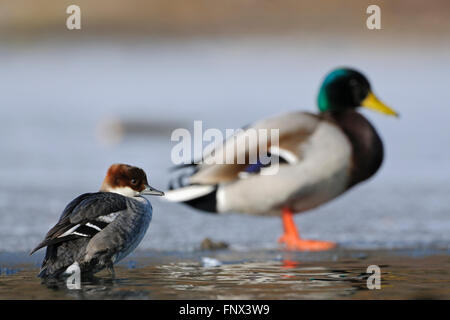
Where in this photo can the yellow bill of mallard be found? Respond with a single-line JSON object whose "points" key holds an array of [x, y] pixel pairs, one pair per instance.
{"points": [[373, 103]]}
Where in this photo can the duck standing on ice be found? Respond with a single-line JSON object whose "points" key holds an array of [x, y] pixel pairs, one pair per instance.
{"points": [[96, 230], [320, 157]]}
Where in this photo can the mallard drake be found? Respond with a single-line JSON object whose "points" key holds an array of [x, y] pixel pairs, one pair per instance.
{"points": [[320, 157]]}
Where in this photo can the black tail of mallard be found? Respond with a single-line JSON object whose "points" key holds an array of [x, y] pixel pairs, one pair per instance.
{"points": [[202, 197]]}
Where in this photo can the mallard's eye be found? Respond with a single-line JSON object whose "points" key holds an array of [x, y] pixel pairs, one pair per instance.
{"points": [[133, 181]]}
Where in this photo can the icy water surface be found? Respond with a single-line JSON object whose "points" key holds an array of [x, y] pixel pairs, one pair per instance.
{"points": [[339, 274]]}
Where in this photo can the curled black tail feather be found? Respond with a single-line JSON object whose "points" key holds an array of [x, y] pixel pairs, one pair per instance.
{"points": [[180, 178]]}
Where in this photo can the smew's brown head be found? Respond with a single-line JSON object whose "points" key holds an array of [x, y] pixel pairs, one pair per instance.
{"points": [[128, 181]]}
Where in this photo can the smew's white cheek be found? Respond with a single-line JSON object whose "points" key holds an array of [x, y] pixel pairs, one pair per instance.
{"points": [[125, 191]]}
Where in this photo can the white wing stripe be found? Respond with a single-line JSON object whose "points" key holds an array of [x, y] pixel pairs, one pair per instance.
{"points": [[69, 231], [93, 226], [80, 234]]}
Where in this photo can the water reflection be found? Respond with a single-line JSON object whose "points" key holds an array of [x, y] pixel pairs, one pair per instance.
{"points": [[280, 278], [252, 280]]}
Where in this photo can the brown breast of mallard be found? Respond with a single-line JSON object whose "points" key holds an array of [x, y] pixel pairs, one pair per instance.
{"points": [[367, 147]]}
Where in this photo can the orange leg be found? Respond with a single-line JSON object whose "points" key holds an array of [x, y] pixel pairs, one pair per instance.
{"points": [[292, 239]]}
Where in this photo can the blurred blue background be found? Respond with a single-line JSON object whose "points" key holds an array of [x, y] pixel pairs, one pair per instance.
{"points": [[63, 92]]}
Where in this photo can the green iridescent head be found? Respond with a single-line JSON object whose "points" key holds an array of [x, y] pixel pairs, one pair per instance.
{"points": [[346, 88]]}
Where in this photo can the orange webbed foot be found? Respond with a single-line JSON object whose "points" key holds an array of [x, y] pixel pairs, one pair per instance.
{"points": [[292, 238], [294, 243]]}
